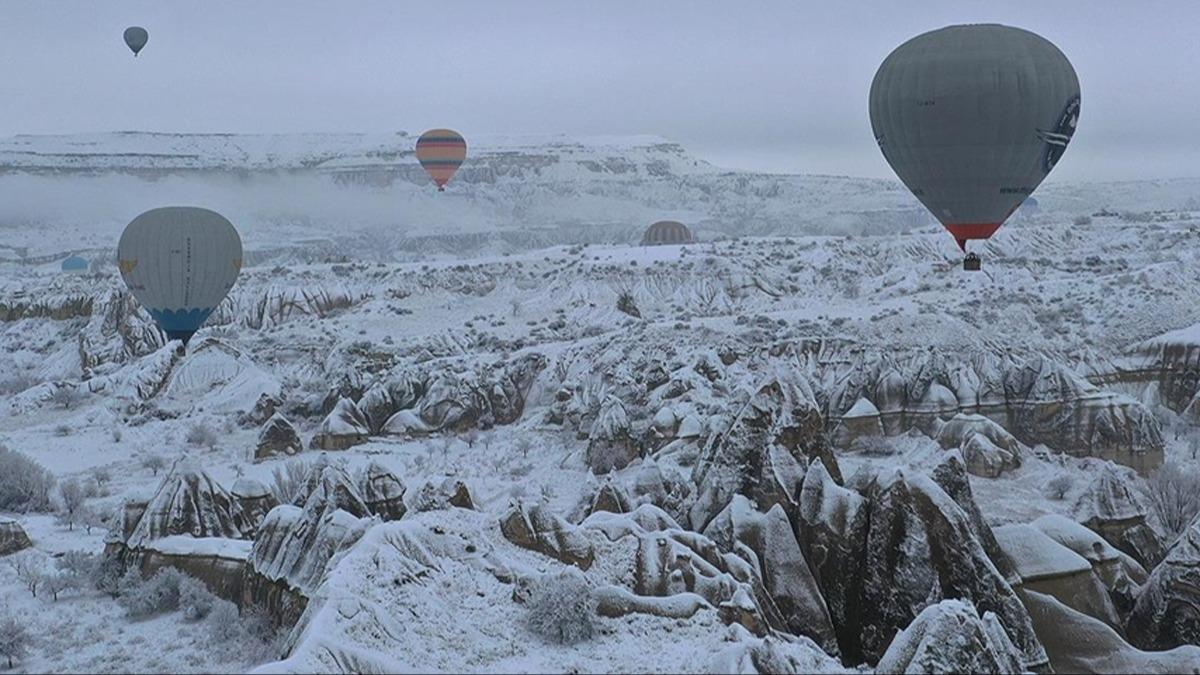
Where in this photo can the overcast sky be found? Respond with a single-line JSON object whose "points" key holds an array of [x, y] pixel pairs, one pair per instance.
{"points": [[775, 86]]}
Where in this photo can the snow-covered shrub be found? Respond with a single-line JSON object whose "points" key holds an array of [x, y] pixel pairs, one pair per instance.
{"points": [[77, 565], [287, 480], [67, 397], [251, 635], [1174, 495], [195, 600], [202, 435], [154, 462], [1059, 486], [24, 485], [561, 607], [142, 597], [102, 476], [14, 638], [106, 576], [223, 622]]}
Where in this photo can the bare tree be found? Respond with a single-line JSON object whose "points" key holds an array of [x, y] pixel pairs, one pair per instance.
{"points": [[14, 638], [1174, 495], [28, 571], [66, 396], [56, 583], [288, 480], [102, 476], [73, 496], [155, 462], [1059, 486], [471, 437], [90, 518]]}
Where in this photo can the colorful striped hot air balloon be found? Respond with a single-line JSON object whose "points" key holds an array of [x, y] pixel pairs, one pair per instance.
{"points": [[441, 152]]}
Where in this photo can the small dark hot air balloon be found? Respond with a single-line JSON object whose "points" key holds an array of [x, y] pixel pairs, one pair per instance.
{"points": [[667, 232], [441, 152], [136, 37], [180, 262], [972, 119]]}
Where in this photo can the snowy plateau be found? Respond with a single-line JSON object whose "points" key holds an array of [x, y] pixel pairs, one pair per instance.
{"points": [[486, 431]]}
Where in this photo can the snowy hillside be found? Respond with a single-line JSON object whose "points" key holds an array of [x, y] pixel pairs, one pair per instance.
{"points": [[497, 436]]}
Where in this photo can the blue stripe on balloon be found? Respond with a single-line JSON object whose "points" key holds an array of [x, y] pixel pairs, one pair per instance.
{"points": [[178, 321]]}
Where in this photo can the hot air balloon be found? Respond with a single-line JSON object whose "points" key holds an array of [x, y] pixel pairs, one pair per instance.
{"points": [[136, 37], [667, 232], [972, 118], [75, 265], [180, 262], [441, 152]]}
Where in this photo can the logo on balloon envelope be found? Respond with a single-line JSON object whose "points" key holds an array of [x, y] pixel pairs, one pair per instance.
{"points": [[1057, 139]]}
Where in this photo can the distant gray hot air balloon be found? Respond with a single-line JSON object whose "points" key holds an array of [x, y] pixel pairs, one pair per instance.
{"points": [[136, 37], [972, 118], [180, 262], [667, 232]]}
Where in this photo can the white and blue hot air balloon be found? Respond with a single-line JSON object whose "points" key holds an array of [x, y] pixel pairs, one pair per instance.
{"points": [[180, 262]]}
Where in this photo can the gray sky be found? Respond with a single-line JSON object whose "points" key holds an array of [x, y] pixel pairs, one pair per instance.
{"points": [[768, 85]]}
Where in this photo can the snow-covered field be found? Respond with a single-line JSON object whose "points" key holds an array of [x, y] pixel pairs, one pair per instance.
{"points": [[355, 281]]}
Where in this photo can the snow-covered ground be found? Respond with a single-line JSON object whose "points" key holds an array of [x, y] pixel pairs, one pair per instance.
{"points": [[342, 298]]}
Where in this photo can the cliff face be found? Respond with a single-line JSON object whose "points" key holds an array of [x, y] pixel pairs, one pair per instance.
{"points": [[1169, 364], [1038, 400]]}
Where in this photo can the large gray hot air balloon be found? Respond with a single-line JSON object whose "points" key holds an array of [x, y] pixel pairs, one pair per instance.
{"points": [[136, 37], [972, 118], [180, 262]]}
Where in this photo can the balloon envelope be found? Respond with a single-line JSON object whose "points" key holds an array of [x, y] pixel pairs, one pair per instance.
{"points": [[441, 152], [136, 37], [972, 119], [180, 262], [667, 232]]}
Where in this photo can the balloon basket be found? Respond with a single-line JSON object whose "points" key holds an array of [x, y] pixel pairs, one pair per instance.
{"points": [[972, 263]]}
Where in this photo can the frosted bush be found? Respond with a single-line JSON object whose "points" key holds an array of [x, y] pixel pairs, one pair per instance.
{"points": [[1174, 495], [1058, 486], [561, 608], [195, 600], [286, 481], [223, 622], [202, 435], [14, 638], [147, 597], [106, 576]]}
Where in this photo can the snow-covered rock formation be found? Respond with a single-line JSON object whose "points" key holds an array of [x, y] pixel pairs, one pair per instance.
{"points": [[1112, 507], [343, 427], [188, 502], [12, 537], [951, 637], [1167, 613], [277, 437]]}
